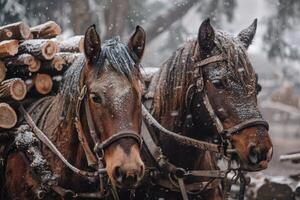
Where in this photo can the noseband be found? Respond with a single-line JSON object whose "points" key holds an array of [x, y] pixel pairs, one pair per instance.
{"points": [[99, 146]]}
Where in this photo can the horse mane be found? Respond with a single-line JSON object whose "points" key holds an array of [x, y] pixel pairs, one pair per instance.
{"points": [[114, 55], [176, 75]]}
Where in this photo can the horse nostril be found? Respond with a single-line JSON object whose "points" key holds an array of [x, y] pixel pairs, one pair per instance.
{"points": [[253, 154], [119, 174]]}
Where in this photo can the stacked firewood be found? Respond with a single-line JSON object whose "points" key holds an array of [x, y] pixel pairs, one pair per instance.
{"points": [[32, 62]]}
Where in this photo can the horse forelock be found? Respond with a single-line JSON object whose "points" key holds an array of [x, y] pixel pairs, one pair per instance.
{"points": [[237, 58]]}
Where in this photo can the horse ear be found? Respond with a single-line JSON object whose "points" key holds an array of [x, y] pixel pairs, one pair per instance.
{"points": [[246, 36], [137, 41], [92, 44], [206, 36]]}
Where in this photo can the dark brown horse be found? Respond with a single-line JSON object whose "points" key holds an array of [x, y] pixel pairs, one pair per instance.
{"points": [[208, 91], [111, 76]]}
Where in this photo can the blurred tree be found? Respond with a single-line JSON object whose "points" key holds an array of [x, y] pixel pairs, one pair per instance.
{"points": [[280, 26], [119, 16]]}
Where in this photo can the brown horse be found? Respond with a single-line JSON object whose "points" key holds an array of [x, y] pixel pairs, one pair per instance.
{"points": [[111, 76], [208, 91]]}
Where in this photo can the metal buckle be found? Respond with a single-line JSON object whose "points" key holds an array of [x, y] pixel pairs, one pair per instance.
{"points": [[180, 173]]}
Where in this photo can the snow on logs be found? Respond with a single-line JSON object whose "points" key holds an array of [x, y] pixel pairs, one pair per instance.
{"points": [[32, 63]]}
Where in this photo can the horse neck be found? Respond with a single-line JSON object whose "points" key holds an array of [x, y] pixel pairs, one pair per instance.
{"points": [[175, 77], [62, 132]]}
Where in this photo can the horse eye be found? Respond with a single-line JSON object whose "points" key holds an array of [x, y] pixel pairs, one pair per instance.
{"points": [[218, 83], [96, 98]]}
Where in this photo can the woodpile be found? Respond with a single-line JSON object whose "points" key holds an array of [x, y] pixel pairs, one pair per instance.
{"points": [[32, 63]]}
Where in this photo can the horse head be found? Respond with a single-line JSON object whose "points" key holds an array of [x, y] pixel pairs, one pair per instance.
{"points": [[231, 85], [113, 93]]}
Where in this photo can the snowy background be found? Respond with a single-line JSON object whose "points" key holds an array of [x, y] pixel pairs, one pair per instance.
{"points": [[168, 23]]}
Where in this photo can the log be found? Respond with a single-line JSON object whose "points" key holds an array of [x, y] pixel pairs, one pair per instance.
{"points": [[73, 44], [19, 30], [22, 60], [69, 58], [47, 30], [43, 83], [5, 34], [8, 48], [13, 88], [8, 116], [40, 48], [2, 71], [56, 64]]}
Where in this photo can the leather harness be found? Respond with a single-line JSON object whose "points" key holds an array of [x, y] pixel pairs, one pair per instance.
{"points": [[222, 149], [166, 167]]}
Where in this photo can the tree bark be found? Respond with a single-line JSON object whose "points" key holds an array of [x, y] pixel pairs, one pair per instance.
{"points": [[40, 48], [8, 116], [2, 71], [69, 58], [47, 30], [72, 44]]}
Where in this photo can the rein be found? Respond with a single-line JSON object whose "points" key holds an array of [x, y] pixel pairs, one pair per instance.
{"points": [[99, 149], [224, 148]]}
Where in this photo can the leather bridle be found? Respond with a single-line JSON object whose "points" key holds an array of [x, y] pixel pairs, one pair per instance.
{"points": [[200, 89], [224, 147], [99, 145]]}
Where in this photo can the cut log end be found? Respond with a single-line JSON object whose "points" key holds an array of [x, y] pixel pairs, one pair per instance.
{"points": [[18, 90], [57, 62], [34, 66], [8, 116], [49, 49], [9, 48], [43, 83]]}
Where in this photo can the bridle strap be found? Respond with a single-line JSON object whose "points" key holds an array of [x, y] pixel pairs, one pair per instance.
{"points": [[90, 122], [91, 159], [216, 121], [246, 124], [115, 137], [118, 136], [212, 59]]}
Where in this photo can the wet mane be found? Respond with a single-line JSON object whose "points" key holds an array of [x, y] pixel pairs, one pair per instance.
{"points": [[176, 75], [114, 55]]}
